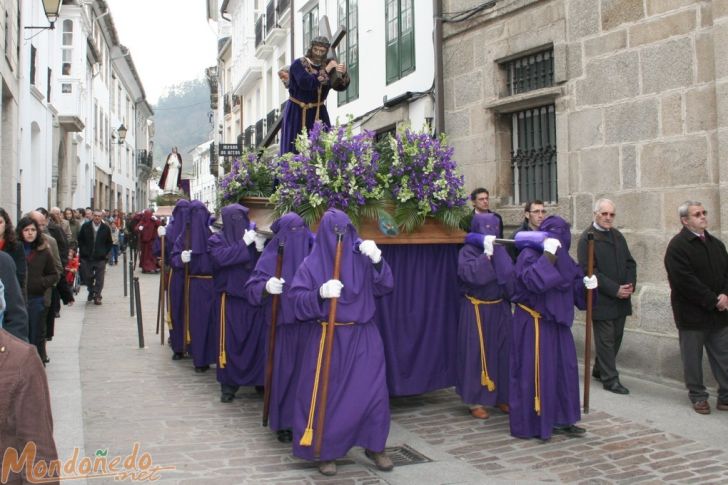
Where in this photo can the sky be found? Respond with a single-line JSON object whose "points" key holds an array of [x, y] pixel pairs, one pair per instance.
{"points": [[170, 40]]}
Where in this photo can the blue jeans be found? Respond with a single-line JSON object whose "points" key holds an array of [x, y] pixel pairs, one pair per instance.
{"points": [[114, 254]]}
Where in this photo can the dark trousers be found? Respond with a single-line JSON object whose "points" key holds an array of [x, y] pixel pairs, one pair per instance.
{"points": [[93, 275], [715, 342], [607, 340]]}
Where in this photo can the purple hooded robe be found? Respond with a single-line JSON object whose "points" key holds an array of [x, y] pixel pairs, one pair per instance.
{"points": [[491, 281], [291, 334], [176, 281], [241, 336], [357, 412], [551, 290], [201, 344]]}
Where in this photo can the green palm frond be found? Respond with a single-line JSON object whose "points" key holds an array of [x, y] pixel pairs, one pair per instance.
{"points": [[408, 218]]}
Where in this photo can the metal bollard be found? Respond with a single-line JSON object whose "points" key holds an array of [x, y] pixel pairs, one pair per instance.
{"points": [[140, 324], [125, 269], [131, 289]]}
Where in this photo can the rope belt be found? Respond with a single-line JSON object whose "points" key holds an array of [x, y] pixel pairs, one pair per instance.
{"points": [[169, 300], [223, 356], [307, 437], [485, 379], [537, 356], [306, 106], [188, 337]]}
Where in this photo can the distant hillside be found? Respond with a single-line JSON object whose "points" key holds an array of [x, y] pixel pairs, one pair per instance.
{"points": [[181, 119]]}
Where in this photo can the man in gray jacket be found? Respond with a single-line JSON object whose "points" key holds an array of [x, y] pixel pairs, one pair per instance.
{"points": [[616, 272]]}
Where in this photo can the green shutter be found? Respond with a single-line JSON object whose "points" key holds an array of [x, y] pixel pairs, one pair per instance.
{"points": [[391, 25]]}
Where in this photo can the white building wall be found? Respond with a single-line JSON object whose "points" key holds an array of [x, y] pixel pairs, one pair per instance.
{"points": [[203, 185]]}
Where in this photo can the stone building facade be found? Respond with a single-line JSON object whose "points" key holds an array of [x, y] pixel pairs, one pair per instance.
{"points": [[582, 99]]}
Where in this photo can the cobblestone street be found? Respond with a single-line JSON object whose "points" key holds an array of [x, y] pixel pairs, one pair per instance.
{"points": [[108, 394]]}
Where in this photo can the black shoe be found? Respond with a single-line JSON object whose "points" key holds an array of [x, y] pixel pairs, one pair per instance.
{"points": [[616, 387], [178, 356], [570, 429], [227, 398], [284, 435], [90, 297], [45, 360], [260, 390], [596, 374], [204, 368]]}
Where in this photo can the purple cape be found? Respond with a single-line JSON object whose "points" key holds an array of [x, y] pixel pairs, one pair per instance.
{"points": [[552, 290], [357, 411], [291, 334], [485, 279], [175, 286]]}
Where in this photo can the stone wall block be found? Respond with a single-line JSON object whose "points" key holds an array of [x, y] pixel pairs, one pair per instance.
{"points": [[481, 121], [618, 12], [661, 28], [609, 79], [721, 93], [603, 44], [573, 171], [660, 6], [586, 128], [468, 88], [655, 311], [582, 213], [629, 166], [458, 122], [600, 170], [667, 65], [574, 64], [458, 56], [720, 39], [637, 211], [708, 195], [671, 163], [671, 114], [720, 8], [705, 57], [648, 250], [700, 106], [583, 18], [631, 121]]}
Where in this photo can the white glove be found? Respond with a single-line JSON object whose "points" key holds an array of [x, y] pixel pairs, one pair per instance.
{"points": [[488, 245], [259, 242], [161, 231], [331, 289], [274, 286], [186, 256], [369, 248], [139, 228], [590, 282], [248, 237], [550, 245]]}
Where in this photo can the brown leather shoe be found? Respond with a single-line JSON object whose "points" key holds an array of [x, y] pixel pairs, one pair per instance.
{"points": [[327, 468], [381, 460], [479, 413], [701, 407], [504, 408], [723, 406], [97, 301]]}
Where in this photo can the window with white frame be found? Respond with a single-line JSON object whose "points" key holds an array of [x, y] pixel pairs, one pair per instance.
{"points": [[67, 48]]}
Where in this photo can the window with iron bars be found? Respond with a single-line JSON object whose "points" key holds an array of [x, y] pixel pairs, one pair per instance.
{"points": [[533, 158], [530, 72]]}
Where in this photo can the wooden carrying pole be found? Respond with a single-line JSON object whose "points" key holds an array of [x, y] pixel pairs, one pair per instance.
{"points": [[272, 339], [328, 349], [162, 293], [588, 322]]}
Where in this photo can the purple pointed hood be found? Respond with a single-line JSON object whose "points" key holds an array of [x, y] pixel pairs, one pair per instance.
{"points": [[179, 219], [199, 230], [487, 224], [559, 229], [234, 222]]}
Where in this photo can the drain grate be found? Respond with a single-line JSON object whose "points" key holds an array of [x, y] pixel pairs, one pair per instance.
{"points": [[405, 455]]}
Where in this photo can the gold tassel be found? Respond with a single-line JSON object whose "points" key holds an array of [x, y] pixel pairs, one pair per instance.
{"points": [[307, 437], [223, 354], [536, 357], [485, 379]]}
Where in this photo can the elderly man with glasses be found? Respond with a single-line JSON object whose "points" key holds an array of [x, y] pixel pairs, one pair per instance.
{"points": [[616, 271], [697, 269]]}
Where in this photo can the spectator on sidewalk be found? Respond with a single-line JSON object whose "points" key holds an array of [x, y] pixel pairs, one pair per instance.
{"points": [[9, 244], [480, 198], [534, 213], [16, 314], [697, 270], [74, 224], [616, 272], [94, 245]]}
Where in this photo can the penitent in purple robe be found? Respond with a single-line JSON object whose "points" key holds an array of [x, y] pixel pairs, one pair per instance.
{"points": [[552, 290], [194, 236], [308, 84], [357, 412], [291, 334], [176, 281], [240, 338], [490, 281]]}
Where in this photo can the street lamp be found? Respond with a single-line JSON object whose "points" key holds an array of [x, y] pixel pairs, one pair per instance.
{"points": [[52, 10], [121, 130]]}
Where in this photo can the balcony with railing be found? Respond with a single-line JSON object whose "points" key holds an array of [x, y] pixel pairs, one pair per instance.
{"points": [[227, 106], [262, 48], [259, 131], [270, 121], [284, 11], [274, 31], [249, 137]]}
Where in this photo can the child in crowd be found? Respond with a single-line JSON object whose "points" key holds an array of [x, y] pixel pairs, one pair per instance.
{"points": [[72, 269]]}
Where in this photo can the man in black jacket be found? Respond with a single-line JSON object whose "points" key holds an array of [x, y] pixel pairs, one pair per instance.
{"points": [[616, 272], [534, 213], [94, 245], [697, 269]]}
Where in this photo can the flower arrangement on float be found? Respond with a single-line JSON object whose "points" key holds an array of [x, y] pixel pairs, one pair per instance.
{"points": [[249, 176]]}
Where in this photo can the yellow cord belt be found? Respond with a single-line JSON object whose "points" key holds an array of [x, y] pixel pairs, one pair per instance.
{"points": [[169, 300], [188, 337], [536, 358], [306, 106], [485, 379], [223, 356], [307, 437]]}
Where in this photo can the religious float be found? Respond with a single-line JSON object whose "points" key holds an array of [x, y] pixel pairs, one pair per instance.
{"points": [[404, 193]]}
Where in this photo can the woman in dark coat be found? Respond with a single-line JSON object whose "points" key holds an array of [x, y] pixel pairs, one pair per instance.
{"points": [[9, 243], [42, 275]]}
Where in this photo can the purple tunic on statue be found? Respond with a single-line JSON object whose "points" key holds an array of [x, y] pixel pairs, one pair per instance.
{"points": [[486, 285], [240, 338], [551, 290], [357, 411], [176, 282], [202, 346], [308, 84], [291, 334]]}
